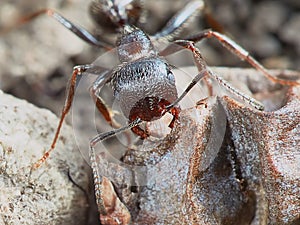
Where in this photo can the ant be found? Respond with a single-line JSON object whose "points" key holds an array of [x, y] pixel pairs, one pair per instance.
{"points": [[143, 83]]}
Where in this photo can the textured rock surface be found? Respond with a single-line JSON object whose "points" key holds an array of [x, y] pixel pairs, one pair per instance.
{"points": [[48, 194], [38, 56], [224, 163]]}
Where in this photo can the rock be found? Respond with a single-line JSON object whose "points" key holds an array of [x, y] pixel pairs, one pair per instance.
{"points": [[38, 56], [38, 48], [223, 163], [55, 193]]}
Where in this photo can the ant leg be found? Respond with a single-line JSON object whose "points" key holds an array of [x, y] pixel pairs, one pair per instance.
{"points": [[102, 107], [202, 67], [94, 165], [77, 30], [140, 132], [195, 80], [97, 181], [240, 52], [70, 94], [77, 71], [178, 20], [106, 112], [203, 72]]}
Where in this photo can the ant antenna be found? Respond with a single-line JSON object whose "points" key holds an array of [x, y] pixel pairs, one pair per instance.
{"points": [[103, 136], [195, 80]]}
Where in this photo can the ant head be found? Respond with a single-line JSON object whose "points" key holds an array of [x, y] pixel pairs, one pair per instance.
{"points": [[113, 14], [134, 44]]}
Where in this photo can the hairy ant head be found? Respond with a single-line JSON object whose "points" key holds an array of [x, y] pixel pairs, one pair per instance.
{"points": [[112, 15], [134, 44]]}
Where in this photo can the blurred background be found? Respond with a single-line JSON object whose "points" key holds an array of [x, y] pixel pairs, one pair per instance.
{"points": [[36, 59]]}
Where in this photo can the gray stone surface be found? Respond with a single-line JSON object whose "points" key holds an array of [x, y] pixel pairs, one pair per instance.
{"points": [[46, 195]]}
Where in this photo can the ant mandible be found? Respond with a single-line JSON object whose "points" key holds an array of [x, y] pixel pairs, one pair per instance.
{"points": [[143, 83]]}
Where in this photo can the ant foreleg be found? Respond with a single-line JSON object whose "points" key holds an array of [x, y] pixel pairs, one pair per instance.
{"points": [[77, 30], [174, 25], [100, 104], [102, 107], [202, 67], [240, 52], [77, 71], [94, 165], [104, 110]]}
